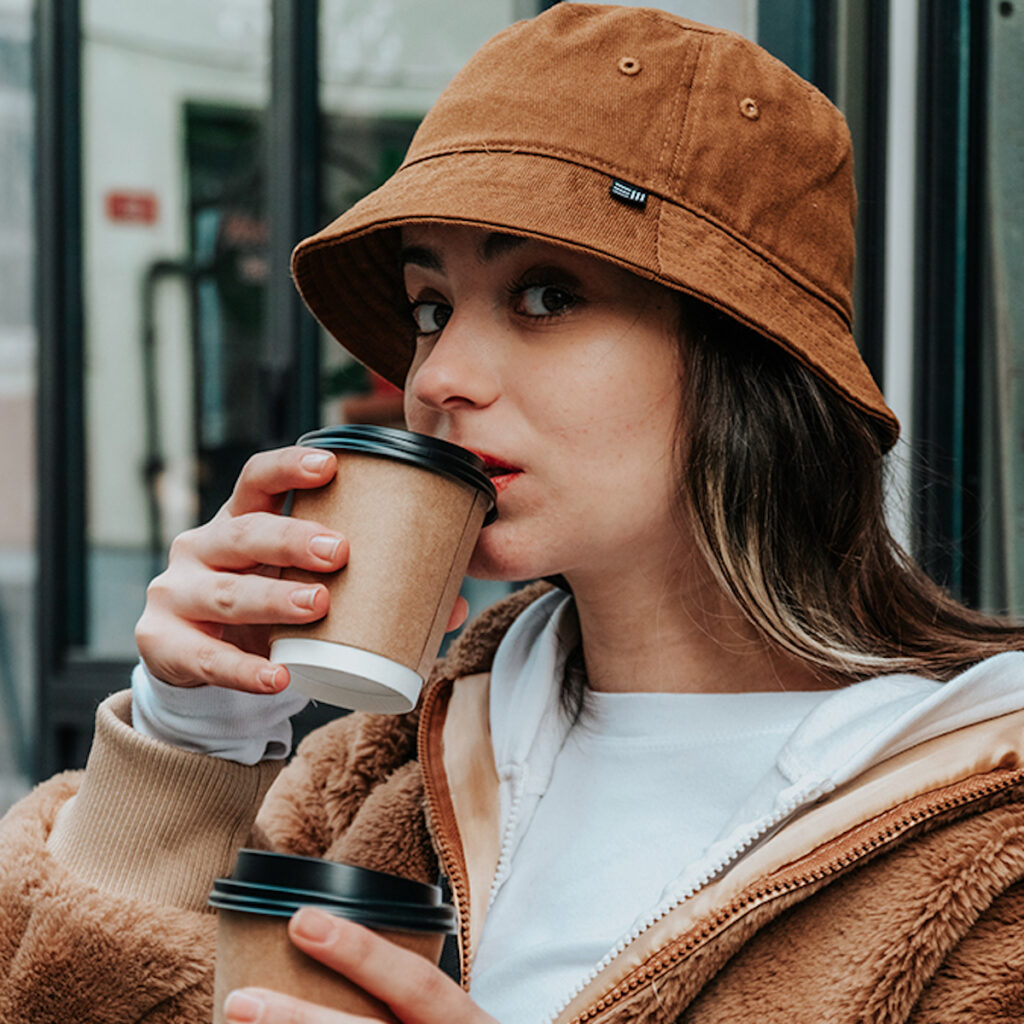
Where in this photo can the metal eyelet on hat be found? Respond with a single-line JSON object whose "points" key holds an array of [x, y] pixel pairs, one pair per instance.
{"points": [[629, 65], [750, 109]]}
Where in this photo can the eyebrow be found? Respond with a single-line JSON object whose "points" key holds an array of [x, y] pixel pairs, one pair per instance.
{"points": [[420, 256], [496, 244]]}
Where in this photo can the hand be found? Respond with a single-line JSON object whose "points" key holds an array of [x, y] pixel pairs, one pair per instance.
{"points": [[416, 991], [207, 616]]}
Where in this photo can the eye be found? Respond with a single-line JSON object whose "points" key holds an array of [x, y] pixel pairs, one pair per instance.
{"points": [[544, 300], [430, 317]]}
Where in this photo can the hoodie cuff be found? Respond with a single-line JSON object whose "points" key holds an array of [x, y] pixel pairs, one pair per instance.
{"points": [[152, 821]]}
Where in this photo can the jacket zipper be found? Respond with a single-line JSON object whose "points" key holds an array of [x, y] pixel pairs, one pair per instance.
{"points": [[442, 819], [743, 846], [518, 784], [962, 794]]}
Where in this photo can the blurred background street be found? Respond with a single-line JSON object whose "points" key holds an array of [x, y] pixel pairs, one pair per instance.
{"points": [[158, 161]]}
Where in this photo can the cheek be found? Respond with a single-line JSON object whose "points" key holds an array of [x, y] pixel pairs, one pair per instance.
{"points": [[408, 413], [409, 403], [418, 417], [633, 458], [579, 406]]}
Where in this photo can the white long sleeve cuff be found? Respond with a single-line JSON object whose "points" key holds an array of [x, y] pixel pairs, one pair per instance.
{"points": [[242, 727]]}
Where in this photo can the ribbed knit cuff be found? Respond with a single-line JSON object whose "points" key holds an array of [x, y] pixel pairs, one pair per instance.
{"points": [[152, 821]]}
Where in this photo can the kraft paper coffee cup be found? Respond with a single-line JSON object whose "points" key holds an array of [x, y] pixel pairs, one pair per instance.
{"points": [[265, 889], [411, 507]]}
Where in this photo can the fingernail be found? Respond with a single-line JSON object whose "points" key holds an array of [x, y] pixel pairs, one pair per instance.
{"points": [[306, 597], [314, 461], [268, 677], [325, 547], [314, 925], [243, 1007]]}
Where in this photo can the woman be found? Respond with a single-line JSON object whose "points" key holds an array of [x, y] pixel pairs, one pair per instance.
{"points": [[740, 761]]}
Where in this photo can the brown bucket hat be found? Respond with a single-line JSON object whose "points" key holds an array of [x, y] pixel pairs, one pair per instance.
{"points": [[683, 153]]}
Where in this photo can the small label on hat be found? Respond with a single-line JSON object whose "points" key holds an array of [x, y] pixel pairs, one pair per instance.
{"points": [[631, 195]]}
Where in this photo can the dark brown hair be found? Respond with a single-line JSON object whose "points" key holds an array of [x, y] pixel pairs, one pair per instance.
{"points": [[782, 482]]}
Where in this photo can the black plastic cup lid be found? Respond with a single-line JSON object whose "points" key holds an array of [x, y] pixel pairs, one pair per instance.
{"points": [[406, 446], [403, 917], [276, 885]]}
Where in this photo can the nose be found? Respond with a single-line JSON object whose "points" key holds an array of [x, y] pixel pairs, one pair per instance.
{"points": [[455, 369]]}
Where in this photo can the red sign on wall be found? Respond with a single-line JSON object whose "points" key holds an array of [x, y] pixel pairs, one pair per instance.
{"points": [[132, 207]]}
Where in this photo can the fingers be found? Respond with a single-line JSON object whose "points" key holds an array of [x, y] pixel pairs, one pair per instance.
{"points": [[206, 616], [268, 476], [261, 1006], [186, 655], [460, 612], [200, 595], [216, 588], [416, 991], [181, 634], [246, 541]]}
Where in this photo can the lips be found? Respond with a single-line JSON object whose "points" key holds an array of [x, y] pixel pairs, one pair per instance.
{"points": [[500, 472]]}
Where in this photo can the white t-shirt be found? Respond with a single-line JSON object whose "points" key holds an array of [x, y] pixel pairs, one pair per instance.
{"points": [[609, 824], [639, 787]]}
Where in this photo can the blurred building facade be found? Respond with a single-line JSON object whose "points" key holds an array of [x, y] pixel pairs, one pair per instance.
{"points": [[158, 161], [18, 346]]}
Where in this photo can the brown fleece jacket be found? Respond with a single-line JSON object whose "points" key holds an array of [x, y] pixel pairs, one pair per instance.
{"points": [[103, 896]]}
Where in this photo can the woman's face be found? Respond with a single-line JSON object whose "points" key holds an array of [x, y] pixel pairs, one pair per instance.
{"points": [[561, 371]]}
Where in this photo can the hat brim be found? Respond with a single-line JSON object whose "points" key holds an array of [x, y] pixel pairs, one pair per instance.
{"points": [[349, 274]]}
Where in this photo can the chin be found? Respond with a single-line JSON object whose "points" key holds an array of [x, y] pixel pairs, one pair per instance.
{"points": [[497, 558]]}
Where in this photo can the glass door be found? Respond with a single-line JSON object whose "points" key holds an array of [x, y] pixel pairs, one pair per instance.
{"points": [[172, 175], [186, 148]]}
